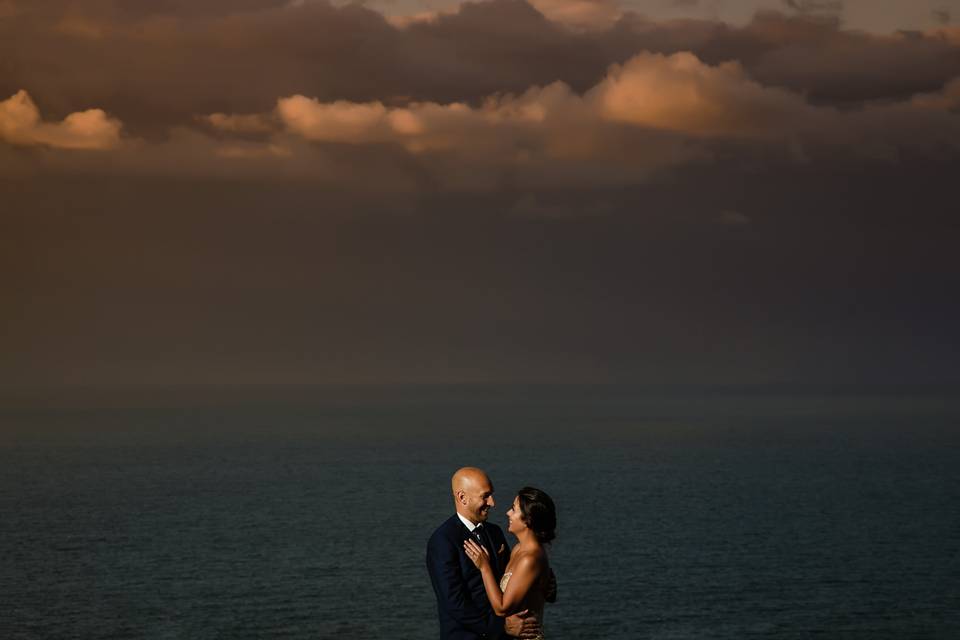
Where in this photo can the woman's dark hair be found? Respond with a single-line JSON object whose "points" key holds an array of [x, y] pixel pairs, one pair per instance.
{"points": [[538, 513]]}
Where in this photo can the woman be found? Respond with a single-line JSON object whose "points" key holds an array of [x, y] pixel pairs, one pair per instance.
{"points": [[532, 519]]}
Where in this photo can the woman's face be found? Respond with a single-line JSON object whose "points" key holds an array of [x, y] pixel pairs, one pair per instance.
{"points": [[514, 517]]}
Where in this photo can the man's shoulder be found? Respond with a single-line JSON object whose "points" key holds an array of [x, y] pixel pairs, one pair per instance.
{"points": [[446, 530]]}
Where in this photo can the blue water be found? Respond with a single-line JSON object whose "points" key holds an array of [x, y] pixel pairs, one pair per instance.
{"points": [[682, 515]]}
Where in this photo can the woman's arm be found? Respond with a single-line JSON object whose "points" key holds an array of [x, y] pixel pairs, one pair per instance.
{"points": [[525, 571]]}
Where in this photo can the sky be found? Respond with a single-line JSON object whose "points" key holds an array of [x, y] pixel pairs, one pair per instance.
{"points": [[242, 192], [879, 16]]}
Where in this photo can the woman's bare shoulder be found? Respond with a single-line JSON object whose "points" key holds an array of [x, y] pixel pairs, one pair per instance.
{"points": [[529, 558]]}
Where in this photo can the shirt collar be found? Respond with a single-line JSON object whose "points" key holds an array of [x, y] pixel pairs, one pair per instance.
{"points": [[469, 525]]}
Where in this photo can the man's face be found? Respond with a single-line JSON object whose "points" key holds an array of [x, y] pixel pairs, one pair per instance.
{"points": [[478, 496]]}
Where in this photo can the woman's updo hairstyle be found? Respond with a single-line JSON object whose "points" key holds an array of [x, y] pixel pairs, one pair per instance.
{"points": [[538, 513]]}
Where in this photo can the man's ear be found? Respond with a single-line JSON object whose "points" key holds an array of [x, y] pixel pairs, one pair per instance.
{"points": [[460, 497]]}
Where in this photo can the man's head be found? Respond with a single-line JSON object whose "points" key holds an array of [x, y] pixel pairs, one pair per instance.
{"points": [[472, 494]]}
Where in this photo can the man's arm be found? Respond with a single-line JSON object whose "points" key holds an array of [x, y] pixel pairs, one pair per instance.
{"points": [[522, 625], [443, 564]]}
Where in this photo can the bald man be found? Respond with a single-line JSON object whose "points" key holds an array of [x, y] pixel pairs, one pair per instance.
{"points": [[465, 612]]}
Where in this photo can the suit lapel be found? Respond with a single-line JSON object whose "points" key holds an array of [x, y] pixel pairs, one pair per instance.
{"points": [[465, 534], [488, 543], [486, 540]]}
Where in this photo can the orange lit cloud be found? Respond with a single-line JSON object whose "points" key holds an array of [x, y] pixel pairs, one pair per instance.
{"points": [[339, 121], [678, 94], [946, 100], [681, 93], [240, 57], [20, 124], [652, 114], [949, 33], [580, 14], [649, 114]]}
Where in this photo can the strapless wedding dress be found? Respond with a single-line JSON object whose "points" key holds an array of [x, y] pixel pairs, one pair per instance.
{"points": [[537, 612]]}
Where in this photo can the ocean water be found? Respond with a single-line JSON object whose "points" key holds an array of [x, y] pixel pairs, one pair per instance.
{"points": [[693, 514]]}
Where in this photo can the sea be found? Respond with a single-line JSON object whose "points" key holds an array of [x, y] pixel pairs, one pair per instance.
{"points": [[684, 513]]}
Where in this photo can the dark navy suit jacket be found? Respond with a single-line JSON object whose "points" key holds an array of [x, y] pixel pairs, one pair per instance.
{"points": [[465, 612]]}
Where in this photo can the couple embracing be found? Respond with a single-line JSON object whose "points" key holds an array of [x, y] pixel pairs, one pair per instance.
{"points": [[485, 590]]}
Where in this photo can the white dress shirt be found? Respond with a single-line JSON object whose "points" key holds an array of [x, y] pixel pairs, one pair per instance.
{"points": [[469, 525]]}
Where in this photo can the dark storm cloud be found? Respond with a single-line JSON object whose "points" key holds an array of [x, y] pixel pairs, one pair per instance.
{"points": [[158, 65], [491, 95], [643, 120], [832, 8], [828, 64], [161, 70]]}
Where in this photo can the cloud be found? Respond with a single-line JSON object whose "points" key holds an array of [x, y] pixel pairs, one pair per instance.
{"points": [[948, 99], [839, 67], [239, 123], [239, 57], [650, 116], [947, 34], [549, 129], [20, 124], [645, 117], [640, 121], [650, 94], [340, 121], [681, 93], [830, 8], [246, 151], [8, 9], [580, 14], [494, 95], [423, 17]]}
